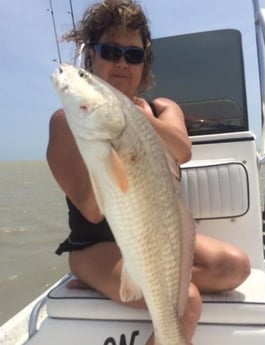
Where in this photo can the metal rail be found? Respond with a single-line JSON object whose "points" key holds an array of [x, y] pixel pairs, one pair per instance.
{"points": [[259, 14], [34, 317], [260, 38]]}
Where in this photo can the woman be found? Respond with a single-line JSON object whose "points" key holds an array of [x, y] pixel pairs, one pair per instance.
{"points": [[118, 49]]}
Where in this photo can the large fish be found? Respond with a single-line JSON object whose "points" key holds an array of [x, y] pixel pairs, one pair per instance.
{"points": [[138, 194]]}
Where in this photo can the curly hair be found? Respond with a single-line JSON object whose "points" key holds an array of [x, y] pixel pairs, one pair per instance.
{"points": [[120, 14]]}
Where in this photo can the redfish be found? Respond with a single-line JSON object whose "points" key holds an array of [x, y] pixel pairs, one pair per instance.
{"points": [[137, 193]]}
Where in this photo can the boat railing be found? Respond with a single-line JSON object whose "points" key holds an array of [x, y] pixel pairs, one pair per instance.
{"points": [[259, 14], [260, 38], [35, 317]]}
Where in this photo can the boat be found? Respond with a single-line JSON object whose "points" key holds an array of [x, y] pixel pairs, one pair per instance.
{"points": [[221, 185]]}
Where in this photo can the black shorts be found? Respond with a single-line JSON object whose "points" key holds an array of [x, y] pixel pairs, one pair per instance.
{"points": [[83, 233]]}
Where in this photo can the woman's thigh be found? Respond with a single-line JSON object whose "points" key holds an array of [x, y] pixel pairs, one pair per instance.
{"points": [[99, 267]]}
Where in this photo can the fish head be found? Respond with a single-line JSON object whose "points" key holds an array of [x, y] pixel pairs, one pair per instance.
{"points": [[92, 110]]}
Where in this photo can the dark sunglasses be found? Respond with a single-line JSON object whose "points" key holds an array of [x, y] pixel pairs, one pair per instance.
{"points": [[111, 52]]}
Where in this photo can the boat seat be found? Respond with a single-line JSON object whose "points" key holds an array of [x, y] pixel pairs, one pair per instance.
{"points": [[245, 305], [215, 189]]}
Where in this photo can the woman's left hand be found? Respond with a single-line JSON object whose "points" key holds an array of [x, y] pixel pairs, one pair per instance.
{"points": [[144, 106], [169, 123]]}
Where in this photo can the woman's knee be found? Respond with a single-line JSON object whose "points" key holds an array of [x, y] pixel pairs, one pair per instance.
{"points": [[218, 266], [232, 265], [194, 300], [240, 264]]}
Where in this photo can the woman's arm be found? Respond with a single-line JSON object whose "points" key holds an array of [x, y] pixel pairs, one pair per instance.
{"points": [[170, 125], [69, 169]]}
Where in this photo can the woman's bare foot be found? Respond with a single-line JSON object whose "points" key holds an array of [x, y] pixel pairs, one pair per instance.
{"points": [[77, 284]]}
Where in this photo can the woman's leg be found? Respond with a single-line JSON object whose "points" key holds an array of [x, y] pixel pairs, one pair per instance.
{"points": [[218, 266], [99, 266]]}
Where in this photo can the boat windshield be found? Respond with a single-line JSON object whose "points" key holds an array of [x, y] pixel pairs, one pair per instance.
{"points": [[208, 84], [206, 60]]}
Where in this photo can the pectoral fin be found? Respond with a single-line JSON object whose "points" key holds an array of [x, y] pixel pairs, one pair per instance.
{"points": [[117, 170], [114, 169]]}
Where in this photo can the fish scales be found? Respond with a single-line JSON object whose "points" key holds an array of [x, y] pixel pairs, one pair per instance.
{"points": [[146, 219], [152, 199]]}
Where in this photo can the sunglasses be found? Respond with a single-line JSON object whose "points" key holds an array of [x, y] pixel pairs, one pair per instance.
{"points": [[112, 52]]}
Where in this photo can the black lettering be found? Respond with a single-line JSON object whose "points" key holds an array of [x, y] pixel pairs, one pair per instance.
{"points": [[132, 340], [134, 335], [110, 341], [123, 340]]}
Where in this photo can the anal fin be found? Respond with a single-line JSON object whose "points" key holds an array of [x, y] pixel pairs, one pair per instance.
{"points": [[129, 290]]}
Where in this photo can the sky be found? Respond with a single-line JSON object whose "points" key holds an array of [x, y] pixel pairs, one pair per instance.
{"points": [[28, 50]]}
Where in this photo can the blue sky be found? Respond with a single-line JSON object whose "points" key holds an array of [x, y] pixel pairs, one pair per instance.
{"points": [[27, 97]]}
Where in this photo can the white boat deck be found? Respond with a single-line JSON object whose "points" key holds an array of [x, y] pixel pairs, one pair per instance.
{"points": [[82, 316], [243, 306]]}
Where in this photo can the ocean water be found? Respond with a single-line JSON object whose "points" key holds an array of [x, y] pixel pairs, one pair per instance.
{"points": [[33, 220]]}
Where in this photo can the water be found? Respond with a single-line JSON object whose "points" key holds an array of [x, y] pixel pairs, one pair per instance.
{"points": [[33, 220]]}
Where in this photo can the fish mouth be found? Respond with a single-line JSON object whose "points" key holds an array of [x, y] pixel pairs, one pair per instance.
{"points": [[65, 86], [58, 80]]}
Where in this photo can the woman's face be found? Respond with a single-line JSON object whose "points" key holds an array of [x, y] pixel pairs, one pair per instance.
{"points": [[123, 76]]}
